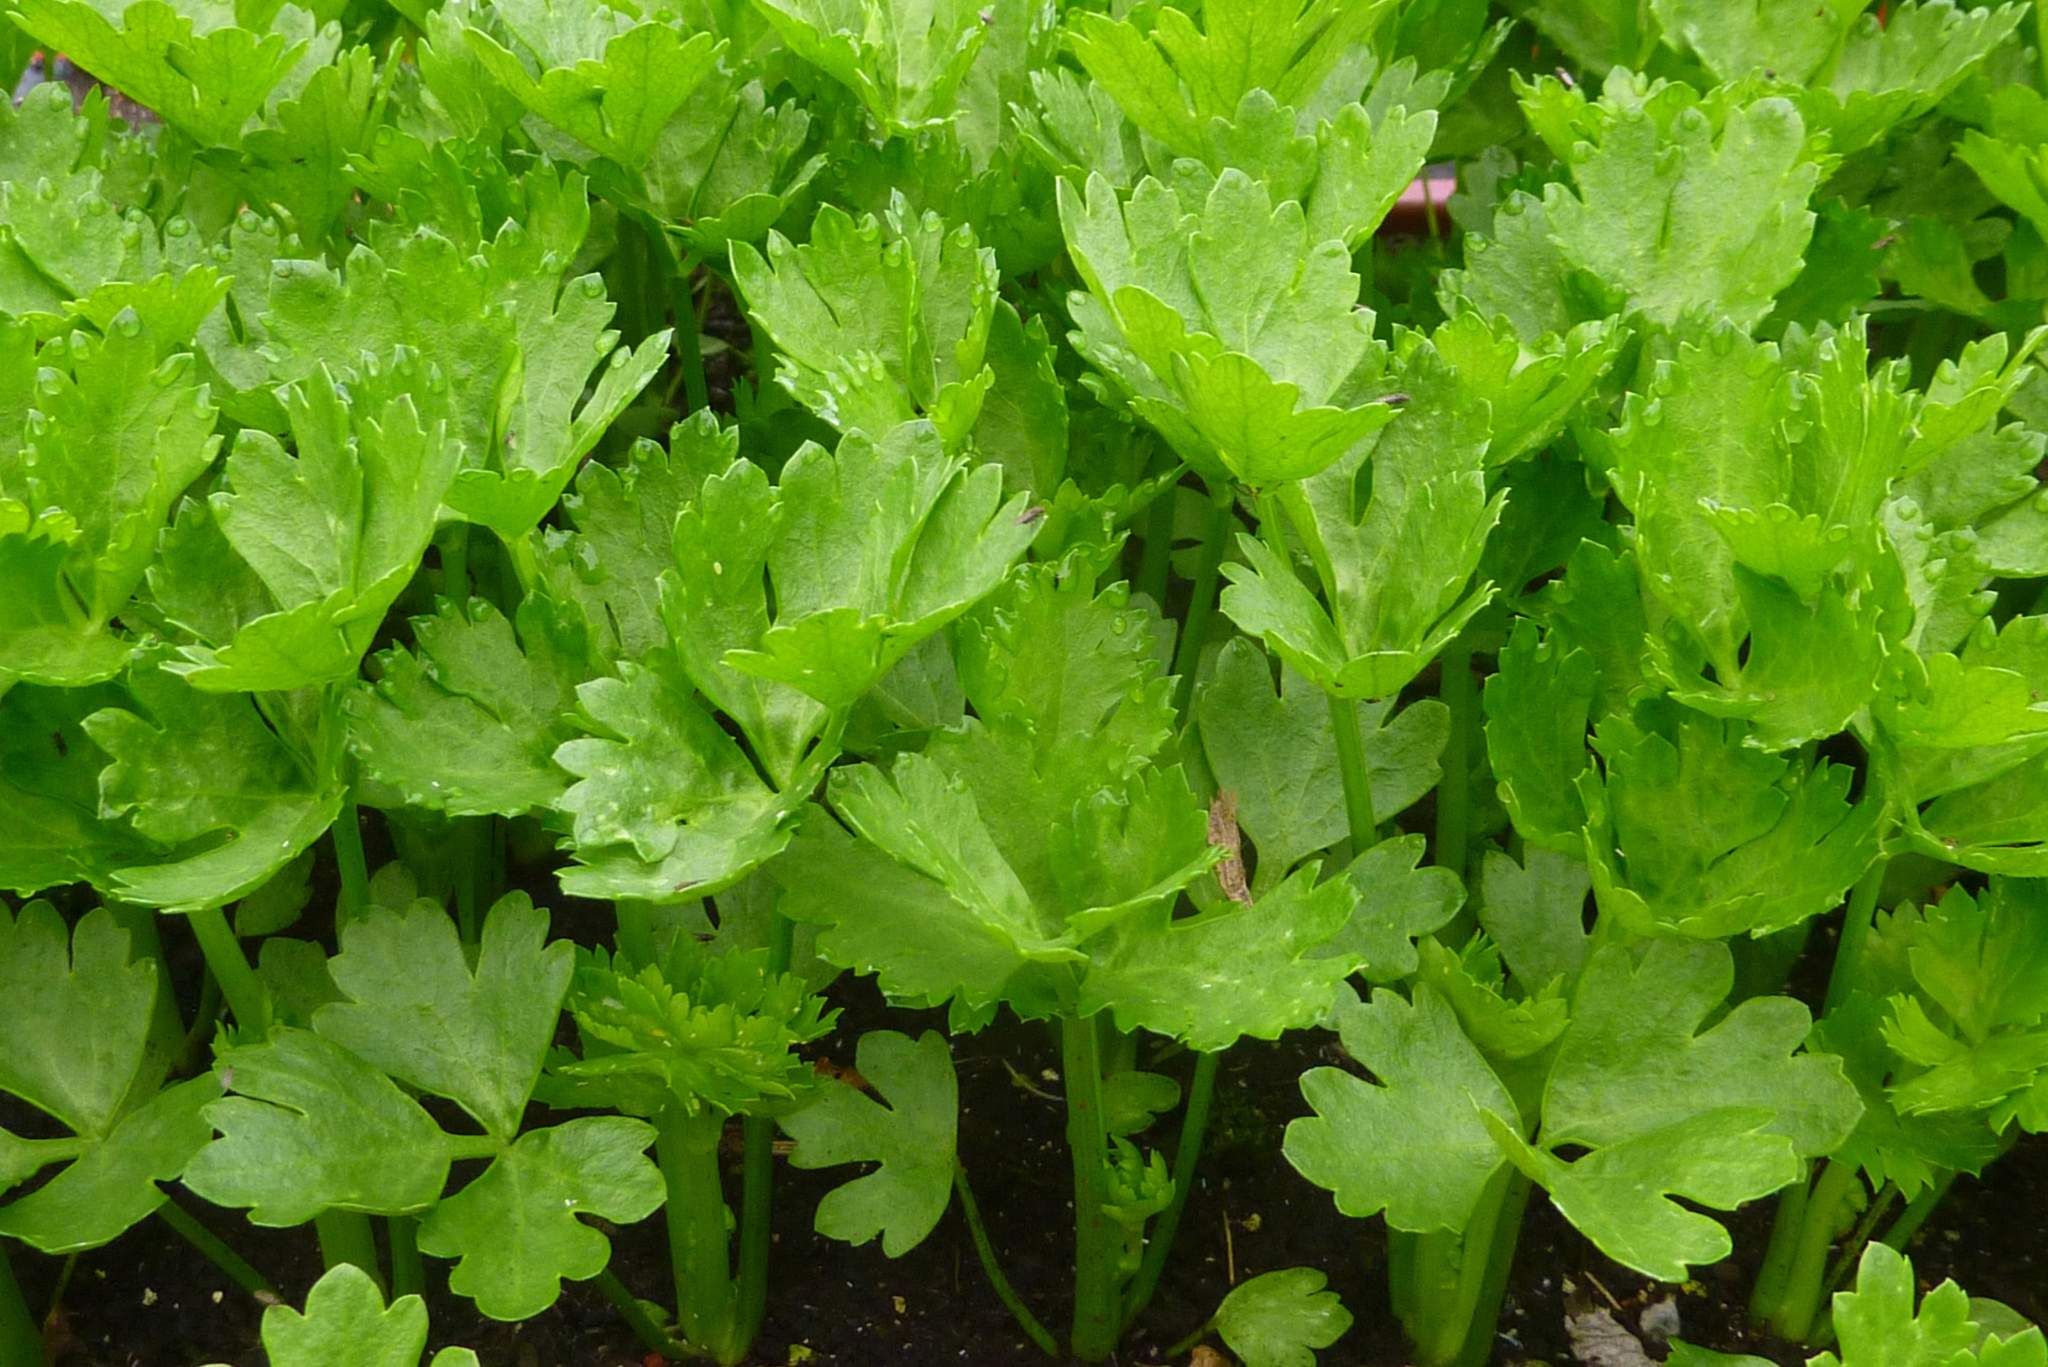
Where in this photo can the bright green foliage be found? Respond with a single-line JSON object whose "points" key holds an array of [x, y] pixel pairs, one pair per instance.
{"points": [[877, 323], [111, 433], [345, 1317], [904, 61], [469, 722], [911, 1138], [1692, 832], [1225, 324], [1274, 751], [78, 1049], [696, 1030], [608, 82], [1394, 553], [333, 531], [1879, 1323], [1279, 1319], [1175, 80], [191, 64], [1658, 1107], [223, 796]]}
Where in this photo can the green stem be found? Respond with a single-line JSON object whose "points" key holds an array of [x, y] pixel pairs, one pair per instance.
{"points": [[1852, 1247], [345, 1237], [650, 1334], [1187, 1153], [757, 1176], [453, 542], [1801, 1305], [191, 1058], [1096, 1237], [472, 840], [1194, 634], [1917, 1212], [1454, 1279], [1007, 1294], [1767, 1297], [232, 1265], [1157, 565], [635, 938], [1187, 1345], [21, 1339], [700, 1252], [2041, 39], [347, 832], [1357, 777], [1453, 792], [224, 959], [1858, 925], [688, 341], [408, 1273]]}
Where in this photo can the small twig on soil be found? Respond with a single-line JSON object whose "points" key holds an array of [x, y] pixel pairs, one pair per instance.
{"points": [[1229, 1251], [1604, 1292]]}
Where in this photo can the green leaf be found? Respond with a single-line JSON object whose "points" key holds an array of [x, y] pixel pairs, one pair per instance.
{"points": [[1687, 208], [1536, 911], [417, 1009], [76, 1030], [1275, 751], [1786, 42], [310, 1127], [665, 803], [1279, 1319], [905, 62], [911, 1138], [205, 775], [1887, 73], [1694, 833], [881, 543], [1397, 902], [113, 1185], [517, 1232], [204, 77], [1413, 1143], [468, 722], [1174, 79], [50, 788], [334, 533], [1425, 505], [1537, 707], [1878, 1322], [877, 321], [1212, 979], [345, 1318], [610, 83], [1224, 325]]}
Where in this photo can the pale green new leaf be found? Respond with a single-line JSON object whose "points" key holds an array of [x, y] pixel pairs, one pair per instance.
{"points": [[903, 59], [911, 1138], [1538, 703], [877, 321], [1172, 79], [1887, 73], [345, 1320], [607, 81], [517, 1232], [1879, 1324]]}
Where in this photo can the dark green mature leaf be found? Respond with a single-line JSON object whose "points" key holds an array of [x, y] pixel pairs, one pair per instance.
{"points": [[911, 1138], [517, 1231], [416, 1008], [113, 1184], [76, 1029], [311, 1127]]}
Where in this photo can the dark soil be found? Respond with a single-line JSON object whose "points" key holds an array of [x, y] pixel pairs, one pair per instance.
{"points": [[147, 1301]]}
